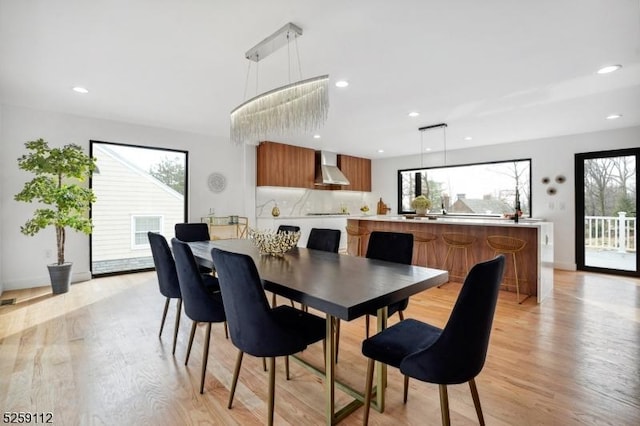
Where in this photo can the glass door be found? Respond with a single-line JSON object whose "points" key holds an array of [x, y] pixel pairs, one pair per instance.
{"points": [[606, 210], [138, 189]]}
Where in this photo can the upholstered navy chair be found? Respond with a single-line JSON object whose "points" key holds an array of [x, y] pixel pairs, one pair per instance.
{"points": [[392, 247], [255, 328], [288, 228], [167, 279], [190, 232], [324, 239], [200, 303], [448, 356]]}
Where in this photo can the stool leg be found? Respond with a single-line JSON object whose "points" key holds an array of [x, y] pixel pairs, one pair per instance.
{"points": [[444, 264]]}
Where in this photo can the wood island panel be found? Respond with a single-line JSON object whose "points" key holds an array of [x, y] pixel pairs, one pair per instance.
{"points": [[528, 258]]}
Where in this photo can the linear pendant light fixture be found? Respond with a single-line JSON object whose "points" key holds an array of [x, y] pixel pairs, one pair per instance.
{"points": [[296, 107]]}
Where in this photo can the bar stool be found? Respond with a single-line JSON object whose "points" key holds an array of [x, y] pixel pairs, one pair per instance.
{"points": [[509, 245], [357, 234], [455, 242], [426, 241]]}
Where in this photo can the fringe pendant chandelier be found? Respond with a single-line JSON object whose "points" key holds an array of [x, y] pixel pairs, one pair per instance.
{"points": [[297, 107]]}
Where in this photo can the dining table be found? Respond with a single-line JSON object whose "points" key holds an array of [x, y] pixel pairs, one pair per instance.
{"points": [[341, 286]]}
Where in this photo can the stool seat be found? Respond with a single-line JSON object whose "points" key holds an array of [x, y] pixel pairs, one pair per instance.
{"points": [[456, 241], [357, 233], [509, 245]]}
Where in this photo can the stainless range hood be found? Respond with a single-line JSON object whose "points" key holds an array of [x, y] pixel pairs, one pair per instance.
{"points": [[327, 171]]}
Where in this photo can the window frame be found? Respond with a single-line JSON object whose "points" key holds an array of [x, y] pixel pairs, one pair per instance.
{"points": [[417, 186], [134, 232]]}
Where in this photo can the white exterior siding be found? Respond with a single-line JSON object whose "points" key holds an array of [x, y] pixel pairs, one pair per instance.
{"points": [[119, 201]]}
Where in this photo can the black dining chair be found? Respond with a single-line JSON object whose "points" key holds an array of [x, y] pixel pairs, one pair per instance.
{"points": [[255, 328], [391, 247], [191, 232], [324, 239], [167, 279], [200, 303], [453, 355], [288, 228]]}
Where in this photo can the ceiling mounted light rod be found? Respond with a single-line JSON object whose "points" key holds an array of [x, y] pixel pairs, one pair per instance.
{"points": [[434, 126], [274, 42], [296, 107]]}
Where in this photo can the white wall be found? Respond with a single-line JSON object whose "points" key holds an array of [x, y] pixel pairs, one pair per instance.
{"points": [[23, 262], [549, 157]]}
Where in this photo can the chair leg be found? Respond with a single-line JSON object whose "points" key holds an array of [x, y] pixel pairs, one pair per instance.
{"points": [[273, 300], [444, 405], [193, 333], [226, 330], [205, 356], [234, 381], [164, 316], [406, 389], [366, 327], [177, 326], [367, 392], [272, 385], [476, 400], [264, 364], [401, 315], [286, 366]]}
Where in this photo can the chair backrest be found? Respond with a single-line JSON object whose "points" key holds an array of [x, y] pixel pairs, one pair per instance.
{"points": [[200, 304], [189, 232], [390, 246], [288, 228], [251, 324], [165, 266], [324, 239], [459, 353]]}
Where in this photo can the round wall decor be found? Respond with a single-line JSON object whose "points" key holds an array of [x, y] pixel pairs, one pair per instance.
{"points": [[217, 182]]}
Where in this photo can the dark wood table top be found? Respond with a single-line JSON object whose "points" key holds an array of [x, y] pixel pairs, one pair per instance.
{"points": [[340, 285]]}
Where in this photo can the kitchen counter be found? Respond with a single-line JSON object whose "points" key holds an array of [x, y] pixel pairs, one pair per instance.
{"points": [[535, 261]]}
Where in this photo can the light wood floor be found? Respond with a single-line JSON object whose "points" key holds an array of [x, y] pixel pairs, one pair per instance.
{"points": [[93, 357]]}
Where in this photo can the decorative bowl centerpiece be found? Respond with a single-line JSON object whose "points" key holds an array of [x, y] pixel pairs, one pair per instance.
{"points": [[272, 242]]}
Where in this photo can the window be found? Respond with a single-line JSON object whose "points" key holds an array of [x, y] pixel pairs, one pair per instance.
{"points": [[485, 189], [140, 226]]}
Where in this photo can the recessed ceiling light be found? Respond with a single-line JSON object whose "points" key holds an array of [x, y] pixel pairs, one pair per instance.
{"points": [[468, 138], [381, 151], [316, 136], [609, 68], [613, 116], [414, 114], [427, 149], [79, 89], [342, 83]]}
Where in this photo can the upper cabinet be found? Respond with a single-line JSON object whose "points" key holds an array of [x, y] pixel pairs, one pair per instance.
{"points": [[294, 167], [285, 165], [357, 170]]}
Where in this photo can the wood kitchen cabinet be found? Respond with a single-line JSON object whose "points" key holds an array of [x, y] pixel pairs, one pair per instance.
{"points": [[357, 170], [285, 165]]}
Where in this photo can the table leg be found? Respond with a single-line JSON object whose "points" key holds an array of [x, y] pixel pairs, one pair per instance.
{"points": [[330, 364], [381, 368]]}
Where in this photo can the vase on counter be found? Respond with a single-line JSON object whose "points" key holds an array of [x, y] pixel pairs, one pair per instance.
{"points": [[421, 212], [275, 211]]}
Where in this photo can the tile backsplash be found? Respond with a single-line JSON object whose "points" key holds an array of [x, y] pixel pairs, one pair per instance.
{"points": [[300, 202]]}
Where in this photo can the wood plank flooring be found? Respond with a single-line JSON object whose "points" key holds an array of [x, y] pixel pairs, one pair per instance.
{"points": [[93, 357]]}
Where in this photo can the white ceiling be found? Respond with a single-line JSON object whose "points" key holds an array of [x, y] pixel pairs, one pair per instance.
{"points": [[496, 70]]}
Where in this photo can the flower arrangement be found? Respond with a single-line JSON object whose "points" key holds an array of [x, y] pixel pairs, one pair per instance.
{"points": [[421, 203]]}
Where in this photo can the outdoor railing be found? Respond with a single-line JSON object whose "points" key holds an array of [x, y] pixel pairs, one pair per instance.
{"points": [[611, 232]]}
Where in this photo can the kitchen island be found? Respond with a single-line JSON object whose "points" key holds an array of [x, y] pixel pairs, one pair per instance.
{"points": [[535, 261]]}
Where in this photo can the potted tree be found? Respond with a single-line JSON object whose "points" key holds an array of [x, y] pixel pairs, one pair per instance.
{"points": [[65, 203], [421, 204]]}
